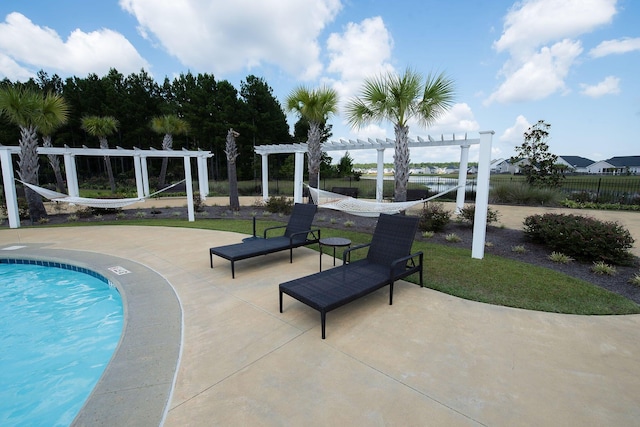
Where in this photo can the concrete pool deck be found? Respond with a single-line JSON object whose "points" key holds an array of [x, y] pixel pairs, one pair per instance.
{"points": [[429, 359]]}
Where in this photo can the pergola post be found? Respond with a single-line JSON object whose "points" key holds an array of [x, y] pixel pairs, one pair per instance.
{"points": [[72, 174], [482, 196], [265, 177], [462, 177], [380, 175], [189, 185], [138, 173], [9, 188], [298, 176], [144, 163], [203, 177]]}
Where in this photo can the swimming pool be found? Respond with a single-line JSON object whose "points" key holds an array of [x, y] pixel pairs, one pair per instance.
{"points": [[59, 326]]}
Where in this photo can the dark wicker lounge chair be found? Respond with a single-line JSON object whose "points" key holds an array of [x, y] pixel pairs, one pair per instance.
{"points": [[298, 232], [388, 259]]}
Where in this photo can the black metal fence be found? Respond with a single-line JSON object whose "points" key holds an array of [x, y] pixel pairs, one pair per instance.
{"points": [[598, 189]]}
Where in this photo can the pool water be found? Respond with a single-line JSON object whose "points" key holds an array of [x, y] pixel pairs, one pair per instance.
{"points": [[58, 331]]}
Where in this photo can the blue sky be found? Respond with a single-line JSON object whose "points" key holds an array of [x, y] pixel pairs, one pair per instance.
{"points": [[572, 63]]}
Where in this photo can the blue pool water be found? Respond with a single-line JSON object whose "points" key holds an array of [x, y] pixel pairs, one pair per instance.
{"points": [[58, 331]]}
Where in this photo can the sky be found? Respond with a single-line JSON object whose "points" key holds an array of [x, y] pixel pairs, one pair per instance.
{"points": [[572, 63]]}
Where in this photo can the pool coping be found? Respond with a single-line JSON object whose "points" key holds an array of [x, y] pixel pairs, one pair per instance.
{"points": [[136, 386]]}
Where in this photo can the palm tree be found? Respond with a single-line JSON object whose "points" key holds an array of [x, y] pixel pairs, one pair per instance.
{"points": [[399, 99], [231, 150], [168, 125], [55, 112], [316, 106], [101, 127], [27, 109]]}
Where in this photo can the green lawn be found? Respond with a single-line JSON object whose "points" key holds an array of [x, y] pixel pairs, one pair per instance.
{"points": [[493, 280]]}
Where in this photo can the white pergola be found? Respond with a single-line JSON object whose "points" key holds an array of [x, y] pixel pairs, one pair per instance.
{"points": [[139, 161], [482, 189]]}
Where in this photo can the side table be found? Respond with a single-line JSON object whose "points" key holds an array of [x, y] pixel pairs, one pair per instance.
{"points": [[334, 242]]}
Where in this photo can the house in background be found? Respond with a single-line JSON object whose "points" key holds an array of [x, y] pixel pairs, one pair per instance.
{"points": [[576, 164], [620, 165], [502, 166]]}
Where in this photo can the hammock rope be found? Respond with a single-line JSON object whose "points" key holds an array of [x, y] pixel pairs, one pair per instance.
{"points": [[367, 208], [86, 201]]}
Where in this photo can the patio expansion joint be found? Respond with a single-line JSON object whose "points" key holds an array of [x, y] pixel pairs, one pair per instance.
{"points": [[230, 375], [394, 379]]}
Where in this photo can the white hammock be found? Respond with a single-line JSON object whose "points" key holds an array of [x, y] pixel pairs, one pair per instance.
{"points": [[85, 201], [353, 206]]}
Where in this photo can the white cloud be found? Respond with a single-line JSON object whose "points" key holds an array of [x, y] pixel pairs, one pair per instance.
{"points": [[228, 36], [34, 47], [610, 85], [610, 47], [533, 23], [537, 35], [515, 134], [362, 50], [541, 75], [458, 119]]}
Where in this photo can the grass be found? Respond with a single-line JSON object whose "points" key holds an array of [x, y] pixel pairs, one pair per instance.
{"points": [[492, 280]]}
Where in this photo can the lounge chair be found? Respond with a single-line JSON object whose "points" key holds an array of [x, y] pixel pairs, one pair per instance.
{"points": [[388, 259], [297, 232]]}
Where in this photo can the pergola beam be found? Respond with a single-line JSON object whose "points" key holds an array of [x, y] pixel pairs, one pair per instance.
{"points": [[138, 156]]}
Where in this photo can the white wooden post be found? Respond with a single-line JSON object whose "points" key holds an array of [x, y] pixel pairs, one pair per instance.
{"points": [[203, 177], [298, 176], [380, 175], [9, 188], [189, 184], [145, 175], [72, 175], [462, 177], [482, 196], [138, 172], [265, 177]]}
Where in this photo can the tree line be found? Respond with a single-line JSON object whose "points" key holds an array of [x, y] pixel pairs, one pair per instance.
{"points": [[210, 107]]}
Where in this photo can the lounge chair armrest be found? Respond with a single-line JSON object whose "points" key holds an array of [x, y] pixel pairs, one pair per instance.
{"points": [[315, 232], [346, 255], [400, 265], [403, 261], [273, 228]]}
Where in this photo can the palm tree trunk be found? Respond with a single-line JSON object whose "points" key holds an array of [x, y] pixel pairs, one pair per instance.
{"points": [[28, 171], [401, 163], [314, 153], [54, 161], [231, 150], [104, 144], [167, 143]]}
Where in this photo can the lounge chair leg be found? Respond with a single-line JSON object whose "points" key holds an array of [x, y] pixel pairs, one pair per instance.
{"points": [[211, 259], [323, 319], [280, 301], [233, 270], [391, 294]]}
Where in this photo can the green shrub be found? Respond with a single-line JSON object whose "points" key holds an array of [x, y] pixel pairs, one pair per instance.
{"points": [[279, 204], [434, 217], [582, 238], [468, 212]]}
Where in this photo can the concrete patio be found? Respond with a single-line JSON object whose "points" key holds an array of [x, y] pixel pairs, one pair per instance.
{"points": [[430, 359]]}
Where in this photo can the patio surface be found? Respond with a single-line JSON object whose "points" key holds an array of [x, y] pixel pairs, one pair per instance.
{"points": [[430, 359]]}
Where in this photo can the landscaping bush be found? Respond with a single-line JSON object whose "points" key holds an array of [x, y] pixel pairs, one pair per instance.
{"points": [[279, 204], [434, 217], [468, 212], [582, 238]]}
